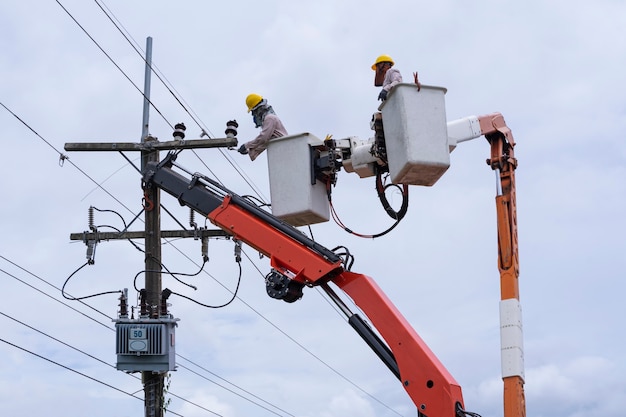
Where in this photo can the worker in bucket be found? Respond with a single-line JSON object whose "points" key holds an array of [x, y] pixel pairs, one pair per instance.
{"points": [[388, 77], [264, 117]]}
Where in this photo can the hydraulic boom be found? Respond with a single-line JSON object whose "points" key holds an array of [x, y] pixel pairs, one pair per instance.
{"points": [[298, 261], [504, 163]]}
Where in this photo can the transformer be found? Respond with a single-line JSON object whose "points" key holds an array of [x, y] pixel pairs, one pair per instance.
{"points": [[146, 344]]}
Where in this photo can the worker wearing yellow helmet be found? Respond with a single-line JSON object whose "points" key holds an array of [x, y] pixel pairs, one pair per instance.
{"points": [[264, 117], [386, 76]]}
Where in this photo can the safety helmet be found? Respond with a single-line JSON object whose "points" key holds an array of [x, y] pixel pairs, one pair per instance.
{"points": [[253, 100], [382, 58]]}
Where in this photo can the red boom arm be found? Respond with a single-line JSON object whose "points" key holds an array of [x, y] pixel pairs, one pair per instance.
{"points": [[429, 384]]}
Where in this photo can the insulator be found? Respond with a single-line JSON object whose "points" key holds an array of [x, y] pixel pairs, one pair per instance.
{"points": [[91, 252], [237, 251], [143, 303], [124, 303], [179, 131], [164, 296], [205, 248], [91, 224], [192, 220], [231, 128]]}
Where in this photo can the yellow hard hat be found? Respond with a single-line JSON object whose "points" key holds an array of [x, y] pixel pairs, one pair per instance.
{"points": [[382, 58], [252, 100]]}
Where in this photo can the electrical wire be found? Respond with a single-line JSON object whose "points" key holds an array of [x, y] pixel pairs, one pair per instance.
{"points": [[176, 274], [112, 174], [348, 258], [245, 303], [172, 274], [70, 369], [108, 328], [398, 216], [56, 340], [381, 189], [72, 298], [216, 306], [49, 296], [179, 99], [226, 381], [116, 213], [113, 62], [460, 412], [233, 392], [170, 393], [313, 355], [63, 157], [80, 373]]}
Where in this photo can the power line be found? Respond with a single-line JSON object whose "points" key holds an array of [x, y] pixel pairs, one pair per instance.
{"points": [[196, 155], [51, 297], [70, 369], [63, 157], [100, 360], [215, 279], [112, 61], [177, 96], [238, 387], [66, 344], [152, 67], [112, 329], [233, 392], [56, 340]]}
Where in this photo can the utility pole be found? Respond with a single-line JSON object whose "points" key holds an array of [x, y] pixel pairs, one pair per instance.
{"points": [[152, 381], [149, 146]]}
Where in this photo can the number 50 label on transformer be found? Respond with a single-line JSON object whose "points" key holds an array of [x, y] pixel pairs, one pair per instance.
{"points": [[138, 339]]}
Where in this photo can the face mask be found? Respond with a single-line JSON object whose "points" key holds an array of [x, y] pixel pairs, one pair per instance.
{"points": [[380, 75], [258, 115], [257, 120]]}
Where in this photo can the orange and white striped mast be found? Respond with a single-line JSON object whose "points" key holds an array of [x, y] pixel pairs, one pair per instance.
{"points": [[503, 162]]}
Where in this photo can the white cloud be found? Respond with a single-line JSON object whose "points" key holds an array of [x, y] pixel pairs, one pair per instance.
{"points": [[553, 69], [348, 403], [584, 386]]}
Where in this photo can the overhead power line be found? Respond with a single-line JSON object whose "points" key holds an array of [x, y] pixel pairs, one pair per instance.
{"points": [[186, 256], [112, 61], [112, 329], [179, 99], [70, 369], [63, 157]]}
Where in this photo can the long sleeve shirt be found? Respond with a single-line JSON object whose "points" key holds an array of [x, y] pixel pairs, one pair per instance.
{"points": [[272, 128], [392, 77]]}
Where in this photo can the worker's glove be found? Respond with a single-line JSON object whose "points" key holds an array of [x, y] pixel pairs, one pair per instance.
{"points": [[383, 95], [242, 150]]}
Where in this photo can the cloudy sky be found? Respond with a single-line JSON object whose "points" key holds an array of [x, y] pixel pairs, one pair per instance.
{"points": [[553, 69]]}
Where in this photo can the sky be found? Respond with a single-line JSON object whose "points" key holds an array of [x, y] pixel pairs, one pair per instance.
{"points": [[554, 70]]}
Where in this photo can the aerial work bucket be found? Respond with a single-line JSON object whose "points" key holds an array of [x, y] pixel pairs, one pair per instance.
{"points": [[416, 135], [295, 200]]}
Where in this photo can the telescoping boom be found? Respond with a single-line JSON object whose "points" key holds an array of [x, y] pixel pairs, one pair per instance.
{"points": [[297, 261]]}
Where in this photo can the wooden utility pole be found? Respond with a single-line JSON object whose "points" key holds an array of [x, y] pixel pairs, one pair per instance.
{"points": [[149, 147], [152, 381]]}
